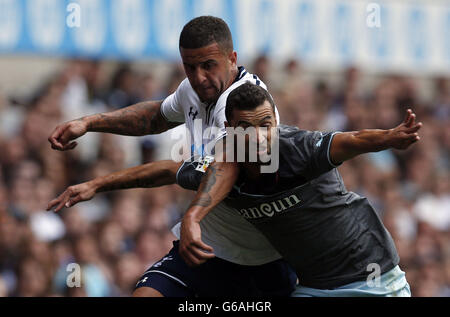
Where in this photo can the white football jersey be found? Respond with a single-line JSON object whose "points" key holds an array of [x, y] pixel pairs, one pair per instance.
{"points": [[232, 237]]}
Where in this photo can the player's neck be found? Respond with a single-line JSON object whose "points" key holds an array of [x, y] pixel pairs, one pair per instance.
{"points": [[233, 77]]}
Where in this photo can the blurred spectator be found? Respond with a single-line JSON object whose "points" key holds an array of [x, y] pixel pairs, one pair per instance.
{"points": [[434, 207], [127, 271], [261, 68], [123, 88], [441, 102], [33, 280]]}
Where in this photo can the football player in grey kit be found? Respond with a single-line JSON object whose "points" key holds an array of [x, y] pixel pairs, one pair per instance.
{"points": [[332, 237]]}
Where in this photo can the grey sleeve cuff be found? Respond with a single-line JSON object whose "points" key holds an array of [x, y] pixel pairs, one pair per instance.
{"points": [[328, 150]]}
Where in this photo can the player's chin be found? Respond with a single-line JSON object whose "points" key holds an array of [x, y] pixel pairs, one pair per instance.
{"points": [[209, 95], [264, 157], [263, 151]]}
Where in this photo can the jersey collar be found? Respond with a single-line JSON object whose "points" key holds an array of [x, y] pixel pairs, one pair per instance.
{"points": [[241, 73]]}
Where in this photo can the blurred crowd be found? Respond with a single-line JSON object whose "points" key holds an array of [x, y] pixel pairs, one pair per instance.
{"points": [[116, 236]]}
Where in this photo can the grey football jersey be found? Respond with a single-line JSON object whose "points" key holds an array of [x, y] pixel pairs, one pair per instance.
{"points": [[329, 235]]}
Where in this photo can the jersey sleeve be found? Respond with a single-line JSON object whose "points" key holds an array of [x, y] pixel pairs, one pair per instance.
{"points": [[313, 148], [187, 175], [171, 108]]}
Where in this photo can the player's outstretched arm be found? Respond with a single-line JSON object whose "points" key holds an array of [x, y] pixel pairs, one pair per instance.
{"points": [[152, 174], [138, 119], [215, 186], [347, 145]]}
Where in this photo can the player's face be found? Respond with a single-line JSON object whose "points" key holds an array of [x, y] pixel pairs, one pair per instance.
{"points": [[262, 119], [209, 69]]}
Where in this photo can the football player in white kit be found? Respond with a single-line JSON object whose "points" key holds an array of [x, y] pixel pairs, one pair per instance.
{"points": [[247, 263]]}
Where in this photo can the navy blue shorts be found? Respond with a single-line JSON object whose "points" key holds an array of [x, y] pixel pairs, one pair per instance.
{"points": [[172, 277]]}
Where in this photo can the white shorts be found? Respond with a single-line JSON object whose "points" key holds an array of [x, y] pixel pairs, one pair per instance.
{"points": [[391, 284]]}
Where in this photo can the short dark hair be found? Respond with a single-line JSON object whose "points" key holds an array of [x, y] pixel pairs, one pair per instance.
{"points": [[205, 30], [247, 97]]}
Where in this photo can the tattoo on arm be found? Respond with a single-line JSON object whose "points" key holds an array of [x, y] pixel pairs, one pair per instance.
{"points": [[211, 175], [135, 183], [139, 119], [138, 183], [205, 199], [157, 123], [153, 123]]}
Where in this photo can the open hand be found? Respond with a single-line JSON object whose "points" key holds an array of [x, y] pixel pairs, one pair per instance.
{"points": [[73, 195], [66, 132], [405, 134], [192, 249]]}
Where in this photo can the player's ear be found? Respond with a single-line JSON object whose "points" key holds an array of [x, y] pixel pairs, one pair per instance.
{"points": [[233, 58]]}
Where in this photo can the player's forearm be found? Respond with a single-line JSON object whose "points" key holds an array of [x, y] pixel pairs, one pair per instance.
{"points": [[138, 119], [370, 140], [153, 174], [215, 186], [347, 145]]}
